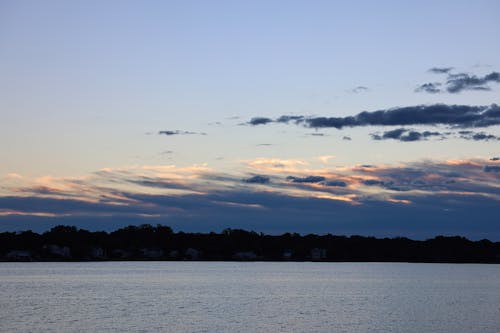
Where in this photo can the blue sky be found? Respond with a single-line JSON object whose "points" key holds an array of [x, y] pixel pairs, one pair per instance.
{"points": [[124, 112]]}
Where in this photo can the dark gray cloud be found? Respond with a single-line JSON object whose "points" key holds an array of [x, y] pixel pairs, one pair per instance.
{"points": [[178, 132], [478, 136], [463, 81], [259, 121], [286, 119], [405, 135], [373, 182], [491, 168], [440, 70], [346, 138], [462, 116], [393, 134], [495, 159], [336, 183], [430, 87], [258, 179], [308, 179], [484, 136], [157, 183], [454, 115], [458, 82], [359, 89]]}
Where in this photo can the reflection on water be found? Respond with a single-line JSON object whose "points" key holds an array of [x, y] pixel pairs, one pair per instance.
{"points": [[248, 297]]}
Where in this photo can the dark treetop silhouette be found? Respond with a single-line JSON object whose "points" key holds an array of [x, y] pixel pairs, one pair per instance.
{"points": [[146, 242]]}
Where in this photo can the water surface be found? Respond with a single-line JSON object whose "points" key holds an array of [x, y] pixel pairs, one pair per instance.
{"points": [[248, 297]]}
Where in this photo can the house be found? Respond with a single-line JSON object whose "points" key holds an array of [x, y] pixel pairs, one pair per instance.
{"points": [[96, 253], [287, 254], [22, 255], [152, 253], [249, 255], [57, 250], [193, 254], [318, 254]]}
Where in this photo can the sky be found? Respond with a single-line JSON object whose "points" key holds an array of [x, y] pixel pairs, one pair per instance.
{"points": [[344, 117]]}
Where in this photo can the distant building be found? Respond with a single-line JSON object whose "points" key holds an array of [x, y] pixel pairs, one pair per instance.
{"points": [[287, 254], [60, 251], [318, 254], [122, 254], [193, 254], [18, 255], [152, 253], [96, 253], [245, 256], [174, 254]]}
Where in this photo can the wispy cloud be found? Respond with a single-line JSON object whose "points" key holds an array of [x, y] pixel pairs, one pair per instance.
{"points": [[308, 179], [179, 132], [458, 82], [492, 168], [359, 89], [434, 114], [257, 179], [440, 70], [478, 136], [405, 135], [462, 81], [300, 191], [430, 87], [259, 121]]}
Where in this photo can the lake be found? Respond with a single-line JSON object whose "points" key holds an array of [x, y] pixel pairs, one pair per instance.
{"points": [[248, 297]]}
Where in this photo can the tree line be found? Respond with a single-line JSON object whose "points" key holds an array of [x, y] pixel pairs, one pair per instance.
{"points": [[147, 242]]}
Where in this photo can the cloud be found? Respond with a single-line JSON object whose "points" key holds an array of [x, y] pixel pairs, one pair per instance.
{"points": [[325, 159], [257, 179], [158, 182], [495, 159], [308, 179], [372, 182], [405, 135], [178, 132], [492, 168], [276, 164], [484, 136], [166, 152], [359, 89], [13, 175], [259, 121], [458, 82], [427, 197], [462, 116], [453, 115], [287, 119], [477, 136], [463, 81], [430, 87], [440, 70], [336, 183]]}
